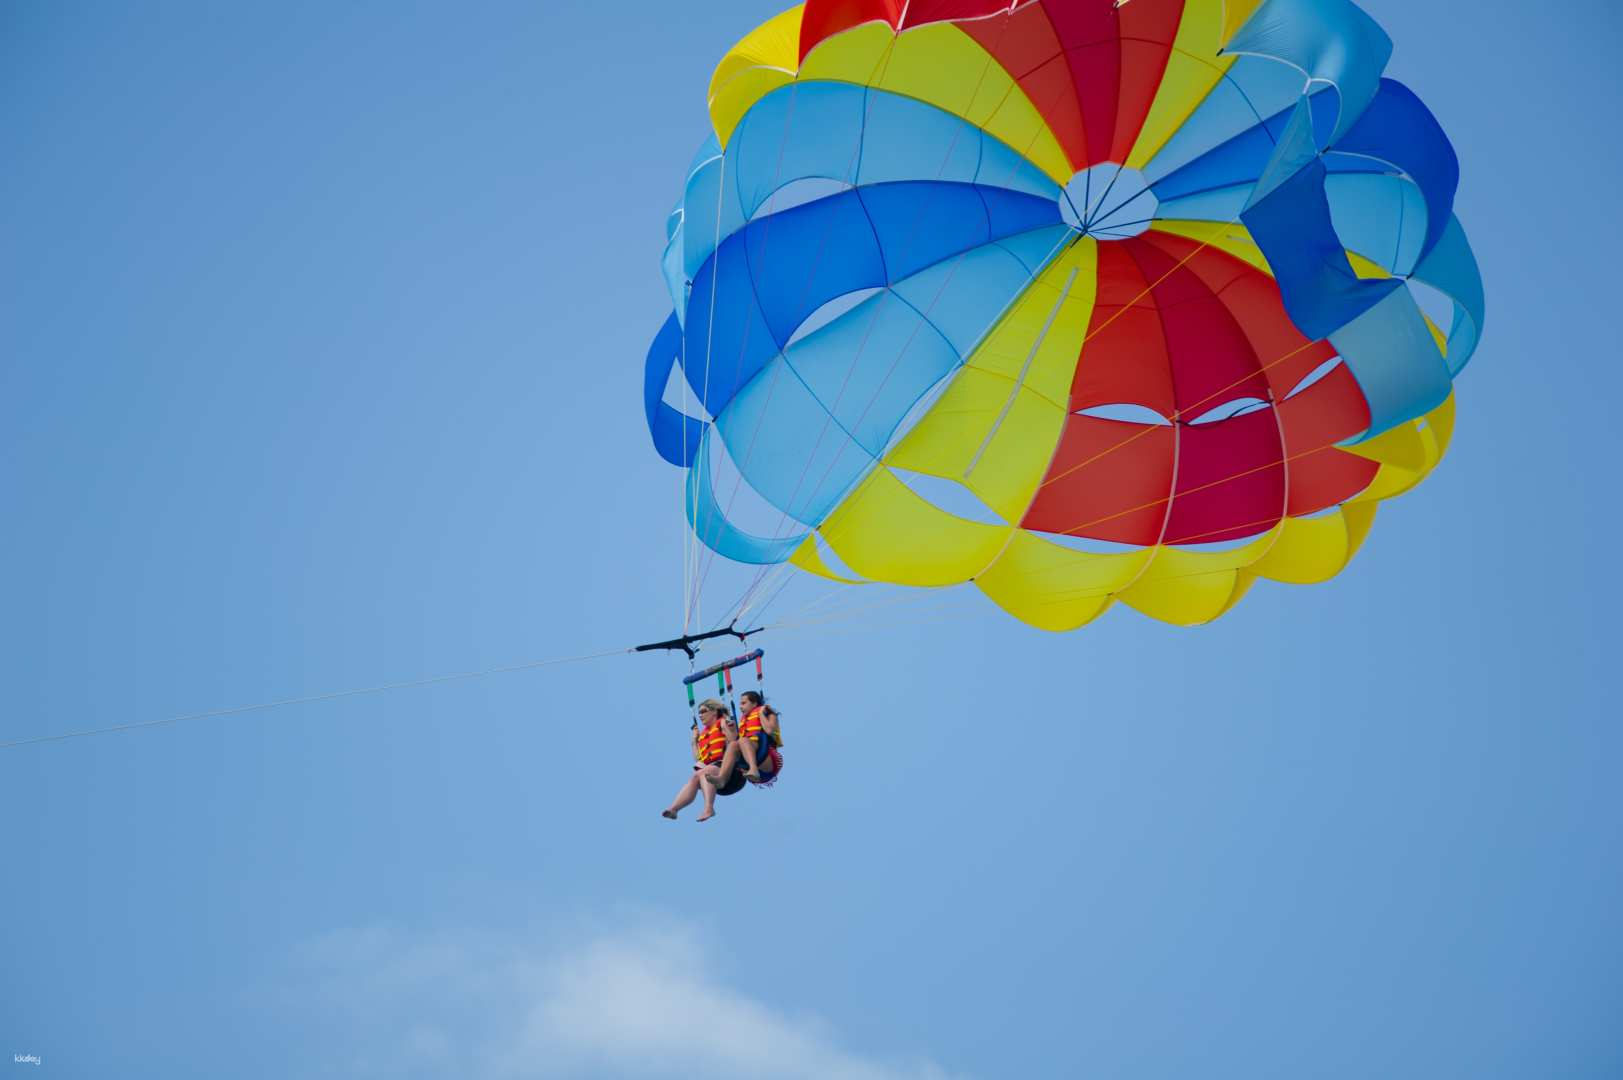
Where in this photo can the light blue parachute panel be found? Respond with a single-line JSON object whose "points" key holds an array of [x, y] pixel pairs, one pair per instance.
{"points": [[908, 139], [1241, 159], [800, 130], [1037, 248], [872, 364], [854, 135], [711, 526], [1004, 167], [709, 214], [1219, 204], [1333, 41], [1253, 90], [1382, 218], [675, 275], [812, 423], [1393, 356], [963, 296], [787, 446]]}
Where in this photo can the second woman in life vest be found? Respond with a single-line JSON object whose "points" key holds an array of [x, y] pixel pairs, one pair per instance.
{"points": [[757, 742]]}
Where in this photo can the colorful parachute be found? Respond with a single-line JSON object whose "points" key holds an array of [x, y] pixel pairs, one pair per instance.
{"points": [[1075, 300]]}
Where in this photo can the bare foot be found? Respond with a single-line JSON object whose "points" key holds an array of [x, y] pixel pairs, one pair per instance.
{"points": [[753, 775], [707, 815], [668, 813]]}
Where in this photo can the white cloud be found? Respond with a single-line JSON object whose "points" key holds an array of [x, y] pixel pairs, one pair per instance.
{"points": [[639, 1000]]}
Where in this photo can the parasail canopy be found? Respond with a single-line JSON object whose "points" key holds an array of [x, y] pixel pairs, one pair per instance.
{"points": [[1075, 301]]}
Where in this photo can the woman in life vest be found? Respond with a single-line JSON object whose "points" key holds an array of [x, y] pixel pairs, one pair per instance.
{"points": [[711, 743], [757, 743]]}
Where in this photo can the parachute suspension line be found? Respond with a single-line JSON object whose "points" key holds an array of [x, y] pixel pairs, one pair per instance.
{"points": [[778, 530], [1020, 380], [743, 344], [928, 615], [1063, 241], [1087, 188], [1285, 462], [691, 610], [682, 494], [774, 582], [1081, 349], [908, 596], [1178, 414], [758, 585], [1207, 486], [874, 77], [1177, 427], [836, 593], [314, 698], [877, 74]]}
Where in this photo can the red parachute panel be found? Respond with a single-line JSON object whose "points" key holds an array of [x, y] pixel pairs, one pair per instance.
{"points": [[1109, 481]]}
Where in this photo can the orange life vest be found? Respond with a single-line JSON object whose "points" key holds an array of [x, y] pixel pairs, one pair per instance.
{"points": [[712, 744], [751, 726]]}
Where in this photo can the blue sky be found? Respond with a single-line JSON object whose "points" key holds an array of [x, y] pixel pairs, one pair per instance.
{"points": [[321, 331]]}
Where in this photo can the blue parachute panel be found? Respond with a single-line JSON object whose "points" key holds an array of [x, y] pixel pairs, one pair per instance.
{"points": [[921, 223], [1289, 218], [1399, 129], [676, 436], [803, 257]]}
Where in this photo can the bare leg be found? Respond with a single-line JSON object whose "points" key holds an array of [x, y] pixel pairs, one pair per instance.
{"points": [[747, 746], [707, 781], [724, 767], [689, 791]]}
